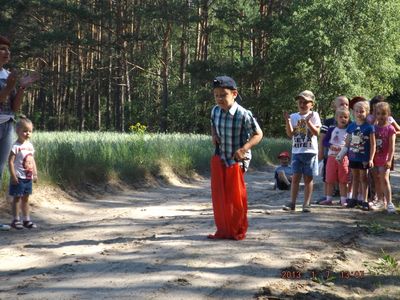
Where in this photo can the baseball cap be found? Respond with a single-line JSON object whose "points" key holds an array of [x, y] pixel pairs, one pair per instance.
{"points": [[224, 82], [307, 95], [284, 154]]}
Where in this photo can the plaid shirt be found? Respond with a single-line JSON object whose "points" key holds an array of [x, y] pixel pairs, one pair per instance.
{"points": [[234, 128]]}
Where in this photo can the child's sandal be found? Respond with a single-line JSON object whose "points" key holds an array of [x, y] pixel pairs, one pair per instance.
{"points": [[17, 225], [29, 224]]}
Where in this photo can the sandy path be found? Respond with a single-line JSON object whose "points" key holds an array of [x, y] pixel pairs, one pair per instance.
{"points": [[151, 244]]}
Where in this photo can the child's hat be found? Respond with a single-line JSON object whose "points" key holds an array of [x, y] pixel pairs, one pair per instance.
{"points": [[284, 154], [307, 95], [224, 82]]}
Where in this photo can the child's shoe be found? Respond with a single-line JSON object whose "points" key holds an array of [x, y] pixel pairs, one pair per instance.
{"points": [[326, 202], [16, 224], [289, 206], [343, 202], [377, 205], [320, 200], [4, 227], [306, 208], [351, 203], [364, 205], [29, 224], [391, 209]]}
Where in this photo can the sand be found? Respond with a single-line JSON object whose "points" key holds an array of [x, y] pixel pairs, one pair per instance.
{"points": [[151, 243]]}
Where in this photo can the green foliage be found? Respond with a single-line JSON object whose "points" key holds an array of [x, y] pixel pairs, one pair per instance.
{"points": [[324, 281], [385, 265], [332, 47]]}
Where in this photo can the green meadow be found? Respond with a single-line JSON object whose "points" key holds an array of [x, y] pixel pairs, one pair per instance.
{"points": [[66, 158]]}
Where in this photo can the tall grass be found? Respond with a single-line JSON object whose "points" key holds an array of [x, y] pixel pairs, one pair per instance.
{"points": [[73, 158]]}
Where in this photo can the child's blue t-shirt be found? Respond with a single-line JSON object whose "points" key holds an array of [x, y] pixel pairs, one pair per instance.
{"points": [[360, 145], [287, 169]]}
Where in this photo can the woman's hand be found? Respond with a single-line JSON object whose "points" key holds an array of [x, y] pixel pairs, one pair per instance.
{"points": [[27, 80]]}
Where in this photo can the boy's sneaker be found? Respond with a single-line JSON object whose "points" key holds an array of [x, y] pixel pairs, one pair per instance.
{"points": [[289, 206], [391, 209], [343, 202], [351, 203], [4, 227], [306, 209], [326, 202]]}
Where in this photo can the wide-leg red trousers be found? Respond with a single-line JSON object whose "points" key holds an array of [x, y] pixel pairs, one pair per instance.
{"points": [[229, 198]]}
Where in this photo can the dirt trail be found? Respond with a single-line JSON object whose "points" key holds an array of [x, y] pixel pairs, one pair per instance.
{"points": [[151, 244]]}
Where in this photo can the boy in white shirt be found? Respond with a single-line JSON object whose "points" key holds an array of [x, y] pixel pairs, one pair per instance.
{"points": [[303, 127]]}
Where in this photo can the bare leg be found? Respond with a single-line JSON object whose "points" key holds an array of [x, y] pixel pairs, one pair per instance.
{"points": [[356, 181], [385, 186], [343, 189], [25, 207], [329, 189], [308, 189], [377, 182], [295, 187], [16, 208], [364, 184]]}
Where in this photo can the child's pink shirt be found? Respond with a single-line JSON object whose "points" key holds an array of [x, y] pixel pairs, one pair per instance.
{"points": [[382, 135]]}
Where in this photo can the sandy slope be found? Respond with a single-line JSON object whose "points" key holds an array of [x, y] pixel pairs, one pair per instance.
{"points": [[151, 244]]}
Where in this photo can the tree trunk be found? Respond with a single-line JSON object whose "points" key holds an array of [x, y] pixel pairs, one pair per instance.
{"points": [[164, 76]]}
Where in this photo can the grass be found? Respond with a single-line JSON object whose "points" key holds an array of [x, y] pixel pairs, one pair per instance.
{"points": [[385, 265], [373, 227], [72, 158]]}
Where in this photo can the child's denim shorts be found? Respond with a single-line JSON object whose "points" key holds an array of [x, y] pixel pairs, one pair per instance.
{"points": [[24, 187], [305, 163]]}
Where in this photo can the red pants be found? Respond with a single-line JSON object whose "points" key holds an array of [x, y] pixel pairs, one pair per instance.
{"points": [[229, 198]]}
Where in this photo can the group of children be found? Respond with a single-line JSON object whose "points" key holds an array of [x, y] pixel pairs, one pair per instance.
{"points": [[347, 149], [356, 155]]}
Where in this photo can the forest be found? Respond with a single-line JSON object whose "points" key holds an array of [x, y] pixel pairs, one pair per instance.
{"points": [[106, 65]]}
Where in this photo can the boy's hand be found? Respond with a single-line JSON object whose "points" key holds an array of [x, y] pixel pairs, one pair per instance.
{"points": [[388, 164], [286, 115], [309, 116], [240, 154], [215, 140]]}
